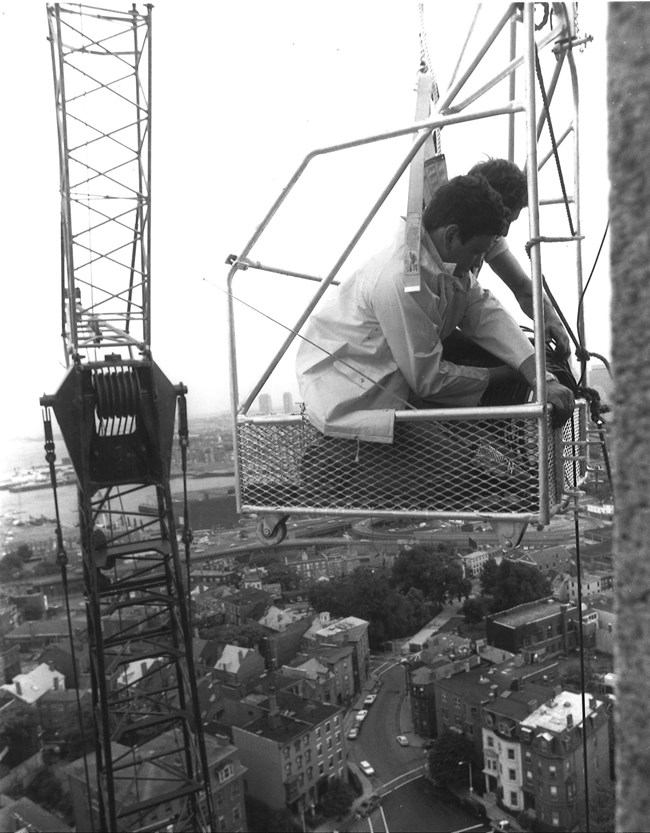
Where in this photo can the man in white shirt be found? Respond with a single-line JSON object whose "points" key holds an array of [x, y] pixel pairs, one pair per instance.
{"points": [[374, 347]]}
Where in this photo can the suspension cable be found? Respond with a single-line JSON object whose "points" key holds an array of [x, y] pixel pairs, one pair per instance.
{"points": [[551, 131], [184, 441], [62, 560], [585, 758], [401, 400]]}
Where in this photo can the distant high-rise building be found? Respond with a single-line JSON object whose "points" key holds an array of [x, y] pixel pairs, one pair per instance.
{"points": [[265, 403], [287, 402]]}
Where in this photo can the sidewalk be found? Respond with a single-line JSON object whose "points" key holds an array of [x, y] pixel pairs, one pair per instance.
{"points": [[494, 813]]}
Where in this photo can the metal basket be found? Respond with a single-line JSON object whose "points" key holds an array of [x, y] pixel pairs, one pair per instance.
{"points": [[433, 468]]}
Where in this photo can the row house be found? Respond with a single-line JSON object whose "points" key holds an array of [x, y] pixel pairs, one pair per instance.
{"points": [[243, 606], [292, 751], [38, 634], [537, 759], [328, 673], [313, 564], [420, 686], [58, 711], [548, 559], [59, 655], [237, 665], [9, 615], [204, 576], [458, 698], [589, 585], [339, 632], [284, 630], [226, 785]]}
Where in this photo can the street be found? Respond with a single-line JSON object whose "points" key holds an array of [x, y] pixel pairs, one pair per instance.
{"points": [[415, 808], [409, 802]]}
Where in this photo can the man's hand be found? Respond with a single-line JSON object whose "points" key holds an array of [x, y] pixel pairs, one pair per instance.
{"points": [[562, 400], [554, 331]]}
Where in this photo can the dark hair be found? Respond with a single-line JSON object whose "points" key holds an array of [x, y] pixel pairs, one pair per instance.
{"points": [[469, 203], [506, 178]]}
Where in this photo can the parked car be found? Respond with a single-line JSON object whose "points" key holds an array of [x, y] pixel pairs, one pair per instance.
{"points": [[370, 699], [365, 767], [361, 715], [353, 734], [368, 805], [402, 740]]}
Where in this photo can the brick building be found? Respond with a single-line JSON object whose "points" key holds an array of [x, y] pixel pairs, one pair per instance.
{"points": [[292, 751]]}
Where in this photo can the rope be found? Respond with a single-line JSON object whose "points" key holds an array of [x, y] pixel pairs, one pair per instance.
{"points": [[576, 522], [556, 156], [184, 441], [62, 559], [404, 402]]}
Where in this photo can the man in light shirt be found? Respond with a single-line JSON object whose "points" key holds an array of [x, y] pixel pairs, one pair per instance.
{"points": [[374, 348]]}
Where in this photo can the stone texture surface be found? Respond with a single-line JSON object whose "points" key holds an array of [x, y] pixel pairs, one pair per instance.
{"points": [[629, 170]]}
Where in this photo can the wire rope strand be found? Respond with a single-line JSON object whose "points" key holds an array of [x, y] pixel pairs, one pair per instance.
{"points": [[585, 756], [62, 559], [547, 108]]}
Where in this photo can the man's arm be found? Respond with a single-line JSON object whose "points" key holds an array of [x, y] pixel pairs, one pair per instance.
{"points": [[558, 396], [507, 267]]}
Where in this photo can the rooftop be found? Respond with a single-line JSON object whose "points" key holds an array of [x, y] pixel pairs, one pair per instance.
{"points": [[529, 612], [552, 715]]}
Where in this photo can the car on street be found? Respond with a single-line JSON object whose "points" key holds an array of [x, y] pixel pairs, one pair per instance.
{"points": [[353, 734], [370, 699], [402, 740], [366, 768], [361, 715]]}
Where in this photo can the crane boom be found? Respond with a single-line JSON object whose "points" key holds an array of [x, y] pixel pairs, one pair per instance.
{"points": [[116, 411]]}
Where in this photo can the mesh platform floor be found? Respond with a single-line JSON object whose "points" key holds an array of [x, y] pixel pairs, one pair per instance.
{"points": [[477, 465]]}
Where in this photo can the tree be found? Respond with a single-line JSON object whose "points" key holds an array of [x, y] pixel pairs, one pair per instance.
{"points": [[369, 595], [247, 635], [18, 731], [287, 577], [436, 571], [338, 799], [489, 577], [24, 552], [517, 583], [261, 819], [475, 610], [450, 755], [264, 559]]}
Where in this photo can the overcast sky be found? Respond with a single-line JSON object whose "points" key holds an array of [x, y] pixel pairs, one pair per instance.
{"points": [[242, 90]]}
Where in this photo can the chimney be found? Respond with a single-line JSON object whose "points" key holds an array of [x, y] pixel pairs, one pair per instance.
{"points": [[19, 690], [55, 680], [324, 617], [593, 704], [569, 720], [274, 718]]}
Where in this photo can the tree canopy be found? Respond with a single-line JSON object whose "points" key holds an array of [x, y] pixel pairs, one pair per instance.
{"points": [[368, 594], [450, 756], [434, 570], [512, 583], [338, 799]]}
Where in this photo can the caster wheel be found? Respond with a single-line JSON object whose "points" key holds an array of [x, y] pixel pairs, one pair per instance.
{"points": [[270, 531]]}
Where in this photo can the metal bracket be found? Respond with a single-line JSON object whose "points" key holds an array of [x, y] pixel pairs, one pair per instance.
{"points": [[509, 533]]}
